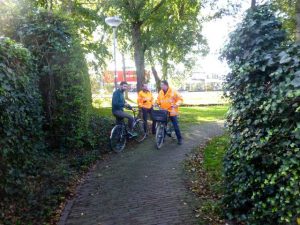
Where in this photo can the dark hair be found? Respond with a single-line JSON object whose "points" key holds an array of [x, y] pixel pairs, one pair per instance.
{"points": [[123, 82], [165, 82]]}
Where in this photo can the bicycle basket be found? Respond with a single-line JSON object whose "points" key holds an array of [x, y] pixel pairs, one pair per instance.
{"points": [[160, 115]]}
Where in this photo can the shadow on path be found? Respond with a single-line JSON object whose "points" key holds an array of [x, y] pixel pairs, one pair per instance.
{"points": [[142, 186]]}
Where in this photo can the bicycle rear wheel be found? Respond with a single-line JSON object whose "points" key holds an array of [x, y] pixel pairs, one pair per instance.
{"points": [[118, 139], [138, 128], [160, 135]]}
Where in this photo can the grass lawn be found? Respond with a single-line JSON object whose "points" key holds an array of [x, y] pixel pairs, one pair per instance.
{"points": [[104, 111], [189, 98], [189, 115], [205, 168], [200, 114]]}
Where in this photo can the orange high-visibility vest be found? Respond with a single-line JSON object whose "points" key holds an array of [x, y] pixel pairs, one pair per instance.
{"points": [[171, 98], [145, 99]]}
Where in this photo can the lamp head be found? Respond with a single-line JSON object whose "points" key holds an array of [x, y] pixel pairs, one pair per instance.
{"points": [[113, 21]]}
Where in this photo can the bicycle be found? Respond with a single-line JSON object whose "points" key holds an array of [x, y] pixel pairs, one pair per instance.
{"points": [[119, 134], [164, 126]]}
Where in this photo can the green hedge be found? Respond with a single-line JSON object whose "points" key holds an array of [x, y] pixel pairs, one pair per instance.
{"points": [[45, 104], [21, 136], [262, 172], [64, 80]]}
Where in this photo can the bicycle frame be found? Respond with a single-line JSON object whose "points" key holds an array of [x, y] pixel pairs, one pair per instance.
{"points": [[123, 134], [160, 137], [135, 119]]}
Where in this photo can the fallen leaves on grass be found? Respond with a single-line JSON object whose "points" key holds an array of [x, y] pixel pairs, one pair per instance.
{"points": [[206, 188]]}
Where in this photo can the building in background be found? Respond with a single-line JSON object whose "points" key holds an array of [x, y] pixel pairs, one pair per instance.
{"points": [[130, 77], [201, 81]]}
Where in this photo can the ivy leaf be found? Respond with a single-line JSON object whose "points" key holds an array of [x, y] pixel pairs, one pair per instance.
{"points": [[296, 81], [285, 58]]}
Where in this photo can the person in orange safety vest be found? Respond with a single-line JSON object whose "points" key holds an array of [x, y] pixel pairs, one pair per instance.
{"points": [[145, 103], [169, 99]]}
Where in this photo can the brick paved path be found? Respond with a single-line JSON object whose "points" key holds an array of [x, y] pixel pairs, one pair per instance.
{"points": [[142, 186]]}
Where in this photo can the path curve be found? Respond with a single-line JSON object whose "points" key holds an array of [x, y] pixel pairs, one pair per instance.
{"points": [[141, 186]]}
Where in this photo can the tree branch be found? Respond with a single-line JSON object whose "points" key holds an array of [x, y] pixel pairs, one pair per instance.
{"points": [[155, 9]]}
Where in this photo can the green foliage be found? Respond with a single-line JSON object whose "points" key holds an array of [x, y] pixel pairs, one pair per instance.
{"points": [[287, 8], [100, 127], [64, 80], [262, 170], [34, 181], [21, 136], [172, 35], [20, 114]]}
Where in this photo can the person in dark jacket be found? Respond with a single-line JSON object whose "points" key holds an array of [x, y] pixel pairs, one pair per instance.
{"points": [[118, 105]]}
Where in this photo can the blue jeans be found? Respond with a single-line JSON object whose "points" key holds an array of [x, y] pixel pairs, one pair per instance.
{"points": [[119, 114], [174, 120]]}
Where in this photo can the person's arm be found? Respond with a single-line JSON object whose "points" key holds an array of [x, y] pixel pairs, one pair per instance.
{"points": [[114, 99], [178, 99]]}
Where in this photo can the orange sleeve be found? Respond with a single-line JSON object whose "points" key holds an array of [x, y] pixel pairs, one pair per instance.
{"points": [[140, 100], [178, 99]]}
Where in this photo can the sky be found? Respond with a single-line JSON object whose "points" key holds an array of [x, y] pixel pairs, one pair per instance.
{"points": [[216, 33]]}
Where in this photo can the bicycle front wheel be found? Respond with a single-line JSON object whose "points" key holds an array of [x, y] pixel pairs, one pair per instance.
{"points": [[160, 135], [138, 128], [117, 139], [170, 130]]}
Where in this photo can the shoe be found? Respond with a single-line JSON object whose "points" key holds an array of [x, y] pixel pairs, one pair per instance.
{"points": [[180, 142], [132, 134], [169, 134]]}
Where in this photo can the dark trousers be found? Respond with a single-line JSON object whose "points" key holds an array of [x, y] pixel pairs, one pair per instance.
{"points": [[145, 118], [119, 114], [174, 120]]}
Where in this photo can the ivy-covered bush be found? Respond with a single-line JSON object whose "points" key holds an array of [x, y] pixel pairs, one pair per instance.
{"points": [[64, 80], [262, 172], [21, 136], [100, 128], [45, 93]]}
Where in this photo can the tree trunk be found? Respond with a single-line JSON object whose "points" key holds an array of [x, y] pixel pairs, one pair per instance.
{"points": [[154, 71], [156, 77], [124, 74], [253, 3], [298, 21], [139, 54]]}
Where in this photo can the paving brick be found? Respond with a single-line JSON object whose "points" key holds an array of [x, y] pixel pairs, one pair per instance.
{"points": [[142, 186]]}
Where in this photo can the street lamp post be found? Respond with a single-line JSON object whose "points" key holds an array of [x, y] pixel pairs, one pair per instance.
{"points": [[114, 22]]}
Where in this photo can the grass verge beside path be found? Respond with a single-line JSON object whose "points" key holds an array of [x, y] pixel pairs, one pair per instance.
{"points": [[205, 169]]}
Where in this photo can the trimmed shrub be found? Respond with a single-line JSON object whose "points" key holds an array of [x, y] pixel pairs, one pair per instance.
{"points": [[100, 128], [64, 80], [21, 136], [262, 172]]}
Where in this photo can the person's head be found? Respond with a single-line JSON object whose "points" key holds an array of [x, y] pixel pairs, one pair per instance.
{"points": [[164, 85], [123, 86], [145, 87]]}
